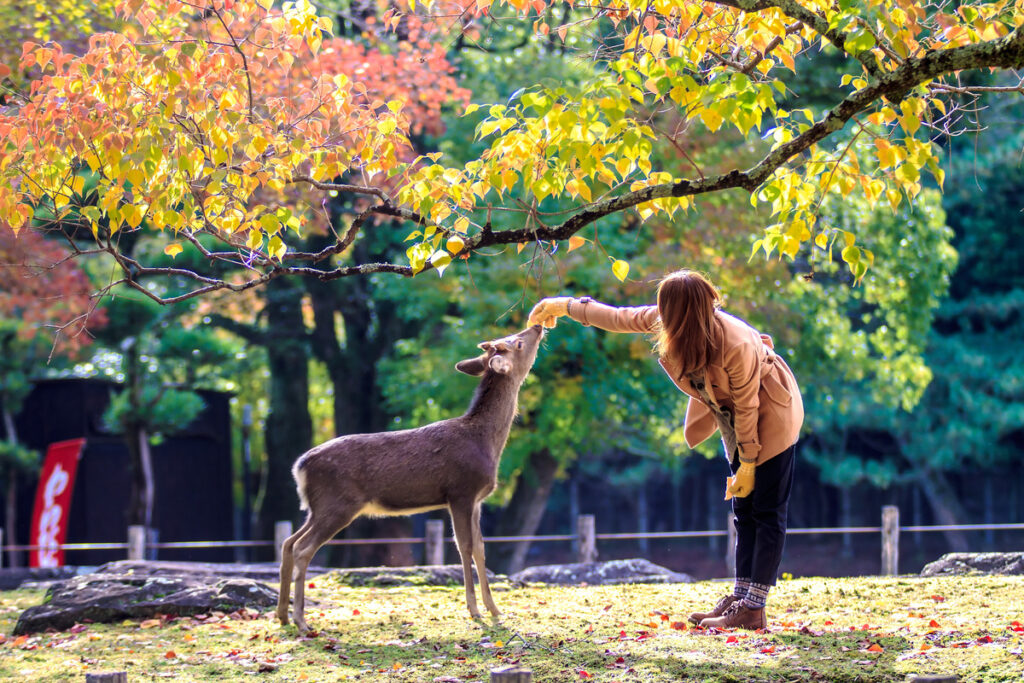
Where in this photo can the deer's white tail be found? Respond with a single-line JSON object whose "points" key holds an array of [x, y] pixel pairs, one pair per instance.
{"points": [[300, 481]]}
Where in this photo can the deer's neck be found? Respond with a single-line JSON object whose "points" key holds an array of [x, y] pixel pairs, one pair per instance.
{"points": [[494, 407]]}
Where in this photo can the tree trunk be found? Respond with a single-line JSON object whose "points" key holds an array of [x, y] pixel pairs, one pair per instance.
{"points": [[140, 506], [522, 515], [289, 428], [947, 508]]}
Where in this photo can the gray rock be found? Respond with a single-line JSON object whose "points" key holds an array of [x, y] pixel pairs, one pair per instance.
{"points": [[428, 575], [958, 564], [108, 596], [601, 573]]}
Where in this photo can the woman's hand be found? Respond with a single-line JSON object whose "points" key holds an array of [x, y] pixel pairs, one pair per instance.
{"points": [[741, 484], [547, 311]]}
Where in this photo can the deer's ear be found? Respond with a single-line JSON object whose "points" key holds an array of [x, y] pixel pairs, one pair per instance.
{"points": [[486, 346], [500, 365], [471, 366]]}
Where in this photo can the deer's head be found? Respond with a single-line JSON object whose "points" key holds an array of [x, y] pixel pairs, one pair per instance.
{"points": [[512, 355]]}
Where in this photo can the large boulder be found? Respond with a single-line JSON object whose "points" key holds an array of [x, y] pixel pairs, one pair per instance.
{"points": [[600, 573], [958, 564], [427, 575], [121, 591]]}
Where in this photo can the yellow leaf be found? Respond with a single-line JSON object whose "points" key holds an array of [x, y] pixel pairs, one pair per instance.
{"points": [[620, 269], [173, 249], [455, 244], [821, 240], [276, 248], [575, 242], [520, 247]]}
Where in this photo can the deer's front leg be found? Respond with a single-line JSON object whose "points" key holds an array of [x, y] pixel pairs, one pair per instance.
{"points": [[462, 523]]}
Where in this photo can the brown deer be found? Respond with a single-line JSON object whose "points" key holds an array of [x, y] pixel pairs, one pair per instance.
{"points": [[452, 463]]}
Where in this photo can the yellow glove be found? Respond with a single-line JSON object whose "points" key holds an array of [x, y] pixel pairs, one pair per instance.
{"points": [[741, 484], [547, 311]]}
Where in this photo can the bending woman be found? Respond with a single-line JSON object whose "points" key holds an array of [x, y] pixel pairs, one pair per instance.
{"points": [[737, 386]]}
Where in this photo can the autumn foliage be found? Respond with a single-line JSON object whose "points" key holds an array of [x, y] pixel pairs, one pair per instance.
{"points": [[201, 120], [47, 294]]}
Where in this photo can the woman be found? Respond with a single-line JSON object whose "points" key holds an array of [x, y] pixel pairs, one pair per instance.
{"points": [[738, 386]]}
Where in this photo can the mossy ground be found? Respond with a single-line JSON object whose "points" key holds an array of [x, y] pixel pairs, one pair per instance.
{"points": [[859, 629]]}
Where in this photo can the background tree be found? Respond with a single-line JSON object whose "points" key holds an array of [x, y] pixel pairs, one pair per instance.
{"points": [[43, 314]]}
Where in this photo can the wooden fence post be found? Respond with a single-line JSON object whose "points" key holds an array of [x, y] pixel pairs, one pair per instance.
{"points": [[114, 677], [136, 542], [282, 530], [730, 544], [890, 540], [511, 674], [585, 531], [434, 542]]}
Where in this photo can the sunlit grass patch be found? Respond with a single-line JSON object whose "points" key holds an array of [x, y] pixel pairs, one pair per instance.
{"points": [[863, 629]]}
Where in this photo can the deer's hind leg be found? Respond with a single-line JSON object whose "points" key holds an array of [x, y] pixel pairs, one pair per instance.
{"points": [[322, 528], [478, 558], [287, 566], [462, 524]]}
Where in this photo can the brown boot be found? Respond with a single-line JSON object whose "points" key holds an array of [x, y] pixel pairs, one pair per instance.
{"points": [[718, 610], [738, 616]]}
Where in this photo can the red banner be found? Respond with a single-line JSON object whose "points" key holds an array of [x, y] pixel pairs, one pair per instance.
{"points": [[53, 503]]}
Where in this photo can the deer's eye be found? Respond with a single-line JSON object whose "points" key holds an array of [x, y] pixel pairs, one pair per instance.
{"points": [[519, 343]]}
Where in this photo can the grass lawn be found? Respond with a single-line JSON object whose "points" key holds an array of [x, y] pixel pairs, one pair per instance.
{"points": [[859, 629]]}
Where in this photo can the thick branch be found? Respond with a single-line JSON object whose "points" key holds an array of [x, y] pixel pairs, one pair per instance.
{"points": [[795, 10]]}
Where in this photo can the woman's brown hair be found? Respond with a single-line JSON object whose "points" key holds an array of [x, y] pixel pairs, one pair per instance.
{"points": [[687, 302]]}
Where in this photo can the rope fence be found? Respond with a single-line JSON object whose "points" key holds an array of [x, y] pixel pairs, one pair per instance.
{"points": [[586, 538]]}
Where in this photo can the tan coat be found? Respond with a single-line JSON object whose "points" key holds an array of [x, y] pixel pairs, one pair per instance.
{"points": [[746, 377]]}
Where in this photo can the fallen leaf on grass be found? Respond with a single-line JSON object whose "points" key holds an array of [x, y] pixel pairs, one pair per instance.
{"points": [[150, 623], [875, 647], [170, 654]]}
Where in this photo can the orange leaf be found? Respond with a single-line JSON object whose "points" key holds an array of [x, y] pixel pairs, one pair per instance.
{"points": [[933, 623], [678, 626], [732, 639], [938, 598], [574, 243], [170, 654], [875, 647]]}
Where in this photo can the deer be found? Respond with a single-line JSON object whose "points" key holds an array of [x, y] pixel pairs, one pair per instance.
{"points": [[449, 464]]}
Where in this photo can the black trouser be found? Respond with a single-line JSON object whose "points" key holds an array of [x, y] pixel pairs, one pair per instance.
{"points": [[761, 519]]}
